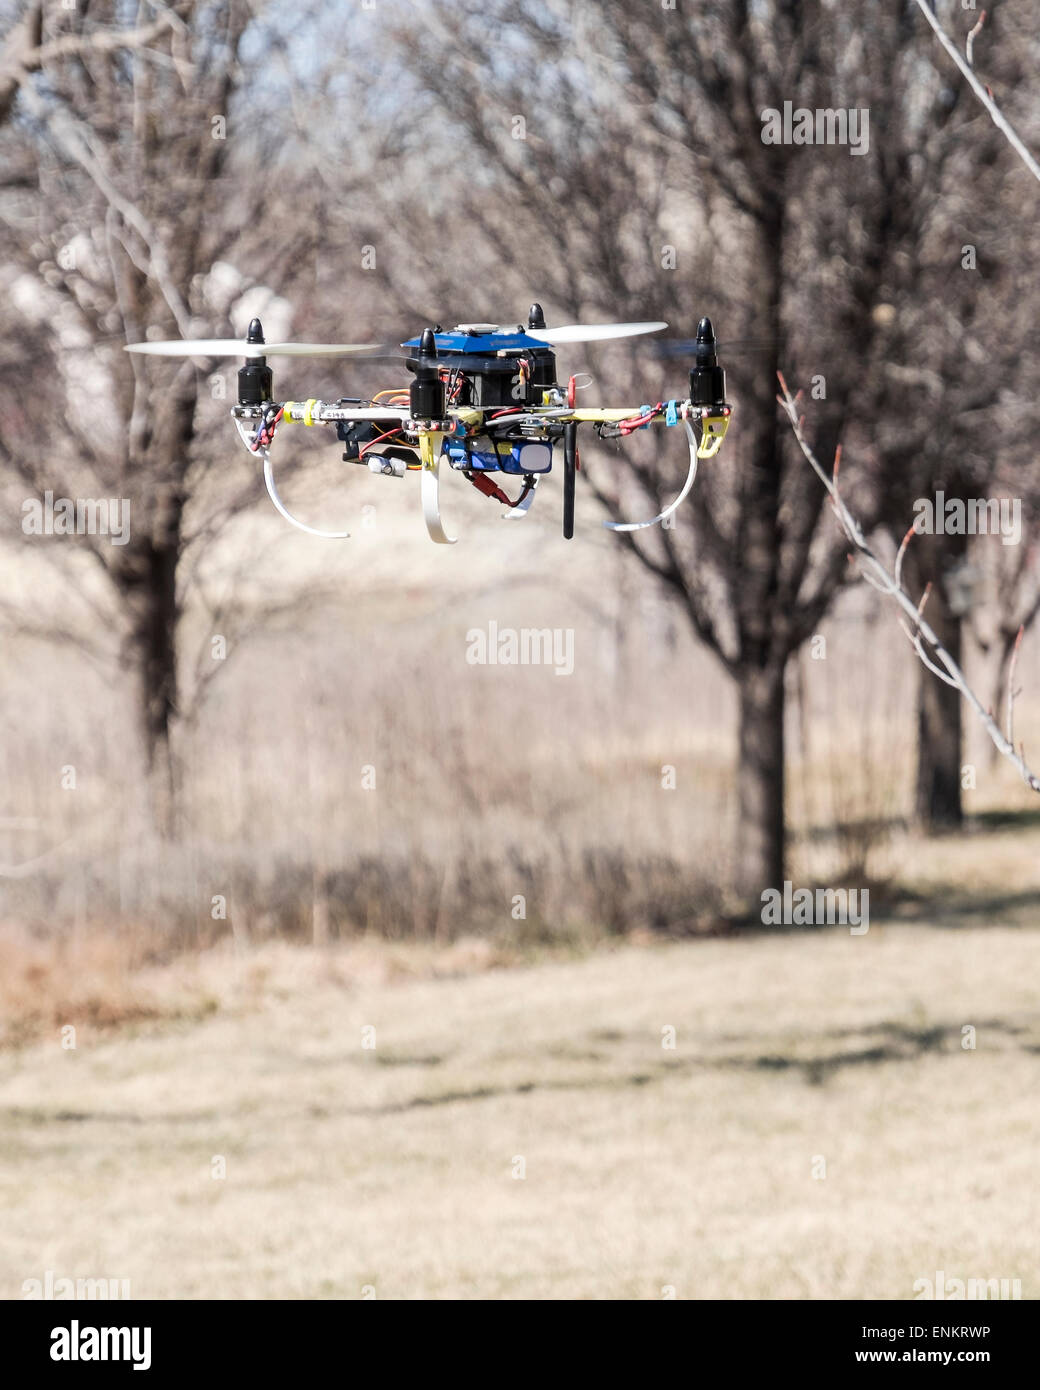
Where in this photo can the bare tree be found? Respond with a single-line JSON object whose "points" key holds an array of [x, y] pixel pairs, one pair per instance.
{"points": [[128, 178]]}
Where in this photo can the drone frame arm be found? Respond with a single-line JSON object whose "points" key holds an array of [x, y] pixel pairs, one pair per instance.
{"points": [[713, 421]]}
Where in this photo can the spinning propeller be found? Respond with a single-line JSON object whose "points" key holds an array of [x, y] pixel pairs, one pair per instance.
{"points": [[238, 347], [592, 332], [731, 347]]}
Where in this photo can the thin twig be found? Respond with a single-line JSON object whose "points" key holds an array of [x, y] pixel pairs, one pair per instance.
{"points": [[1012, 692], [969, 46], [900, 556]]}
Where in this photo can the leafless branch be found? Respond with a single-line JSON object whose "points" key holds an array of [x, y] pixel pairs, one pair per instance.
{"points": [[984, 95], [918, 629], [97, 41], [74, 141], [23, 52]]}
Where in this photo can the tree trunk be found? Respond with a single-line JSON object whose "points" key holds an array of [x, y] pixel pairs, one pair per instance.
{"points": [[155, 639], [938, 799], [937, 802], [146, 572], [760, 783], [760, 674], [147, 580]]}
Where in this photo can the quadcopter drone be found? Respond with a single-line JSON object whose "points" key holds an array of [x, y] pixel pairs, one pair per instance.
{"points": [[482, 400]]}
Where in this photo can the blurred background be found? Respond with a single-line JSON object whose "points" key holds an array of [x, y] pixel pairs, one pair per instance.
{"points": [[224, 739]]}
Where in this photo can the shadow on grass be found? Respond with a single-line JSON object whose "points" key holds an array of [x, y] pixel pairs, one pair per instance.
{"points": [[814, 1059], [954, 905], [888, 1041], [998, 821], [959, 909], [873, 830], [892, 904]]}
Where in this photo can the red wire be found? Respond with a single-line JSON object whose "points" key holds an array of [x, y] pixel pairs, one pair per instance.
{"points": [[363, 449], [266, 432], [634, 421]]}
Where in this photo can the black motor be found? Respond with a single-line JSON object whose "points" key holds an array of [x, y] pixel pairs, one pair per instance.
{"points": [[255, 379], [426, 393], [707, 379]]}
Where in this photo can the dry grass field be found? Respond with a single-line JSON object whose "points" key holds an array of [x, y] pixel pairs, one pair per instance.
{"points": [[644, 1168]]}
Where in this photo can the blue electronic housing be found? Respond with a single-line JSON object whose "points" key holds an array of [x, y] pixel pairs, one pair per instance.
{"points": [[482, 344], [524, 456]]}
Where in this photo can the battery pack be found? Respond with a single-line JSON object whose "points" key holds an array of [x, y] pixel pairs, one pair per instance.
{"points": [[480, 455]]}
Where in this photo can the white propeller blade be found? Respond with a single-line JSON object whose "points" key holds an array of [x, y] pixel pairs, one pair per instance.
{"points": [[592, 332], [319, 349], [236, 347]]}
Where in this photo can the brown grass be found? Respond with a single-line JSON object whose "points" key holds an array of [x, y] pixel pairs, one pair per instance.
{"points": [[645, 1168], [89, 981]]}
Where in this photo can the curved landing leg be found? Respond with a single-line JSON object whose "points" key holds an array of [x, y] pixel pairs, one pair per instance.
{"points": [[430, 448]]}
